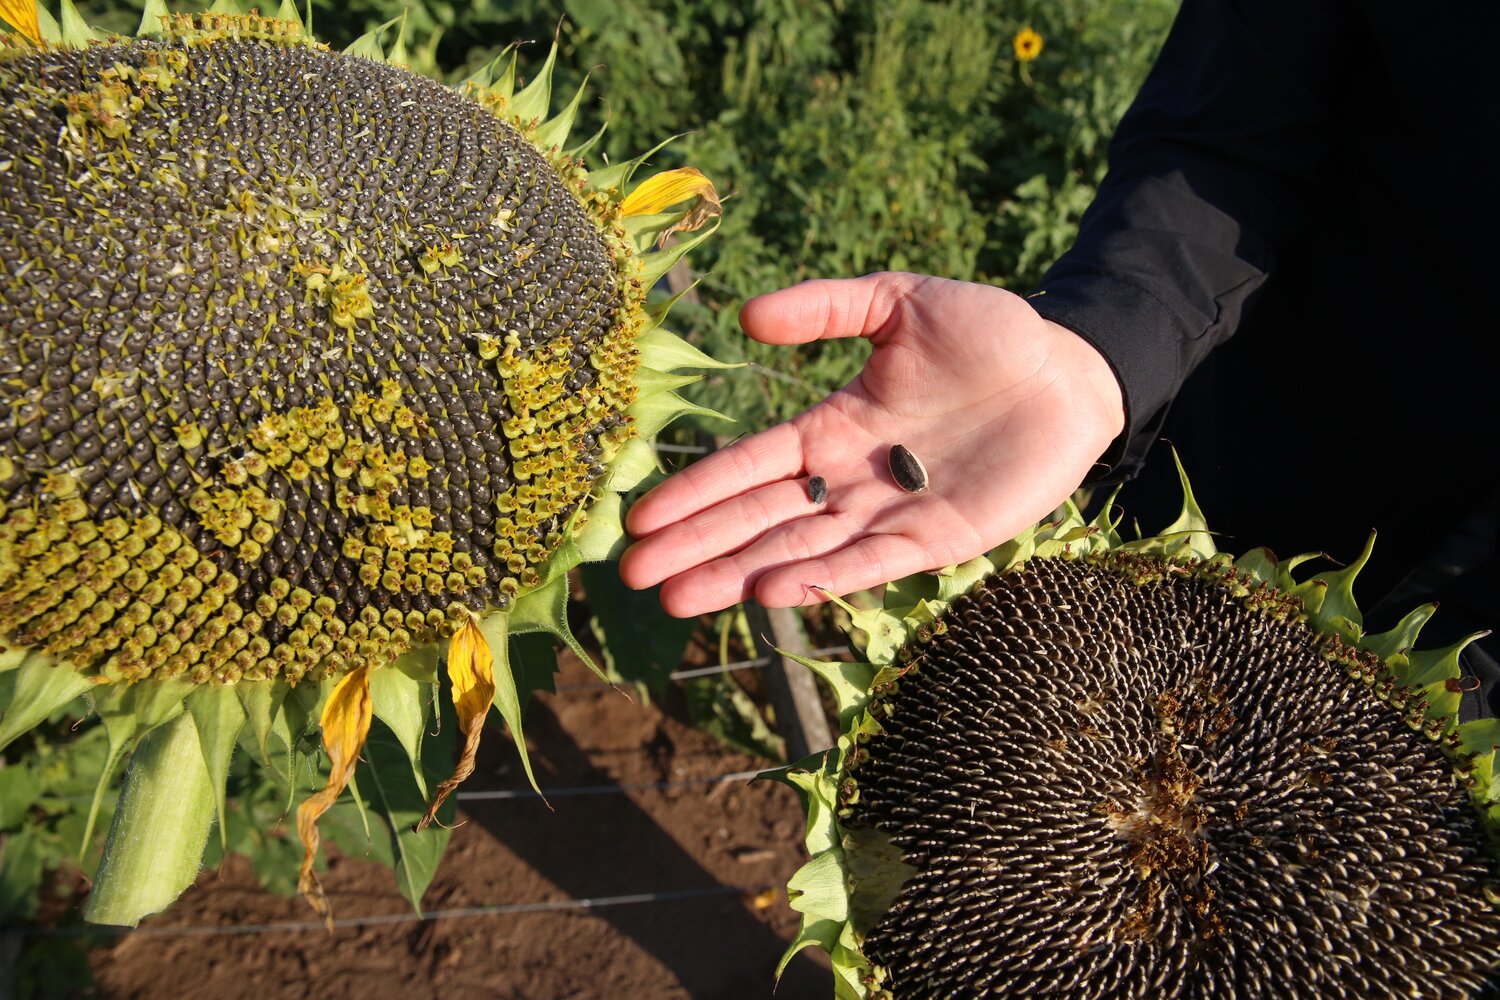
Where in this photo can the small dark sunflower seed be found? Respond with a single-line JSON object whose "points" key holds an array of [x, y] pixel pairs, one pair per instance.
{"points": [[907, 470], [817, 490]]}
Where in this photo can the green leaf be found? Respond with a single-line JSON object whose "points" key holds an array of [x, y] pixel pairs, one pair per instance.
{"points": [[581, 150], [19, 789], [262, 701], [819, 888], [1400, 638], [218, 717], [603, 535], [401, 703], [398, 800], [51, 30], [554, 131], [160, 826], [21, 875], [1337, 611], [130, 712], [877, 871], [368, 45], [533, 659], [546, 610], [616, 176], [76, 33], [151, 18], [643, 230], [1429, 665], [655, 265], [535, 99], [287, 11], [40, 689], [664, 351], [850, 683], [497, 633], [635, 461], [823, 933], [642, 643], [1188, 534], [652, 413]]}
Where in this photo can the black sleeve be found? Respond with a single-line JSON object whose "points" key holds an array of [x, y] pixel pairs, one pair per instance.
{"points": [[1207, 172]]}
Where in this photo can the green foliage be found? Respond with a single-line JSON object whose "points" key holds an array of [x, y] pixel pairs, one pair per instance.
{"points": [[46, 785], [47, 781]]}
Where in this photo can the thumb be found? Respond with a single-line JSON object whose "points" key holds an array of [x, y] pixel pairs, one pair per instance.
{"points": [[827, 308]]}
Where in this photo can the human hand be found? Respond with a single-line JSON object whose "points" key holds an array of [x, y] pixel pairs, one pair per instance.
{"points": [[1006, 410]]}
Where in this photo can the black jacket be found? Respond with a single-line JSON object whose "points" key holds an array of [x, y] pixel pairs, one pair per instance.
{"points": [[1290, 265]]}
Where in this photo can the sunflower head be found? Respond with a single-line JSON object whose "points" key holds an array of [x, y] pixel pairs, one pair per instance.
{"points": [[1027, 44], [313, 364], [1086, 766]]}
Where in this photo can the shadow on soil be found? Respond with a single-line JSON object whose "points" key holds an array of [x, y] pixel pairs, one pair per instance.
{"points": [[715, 948]]}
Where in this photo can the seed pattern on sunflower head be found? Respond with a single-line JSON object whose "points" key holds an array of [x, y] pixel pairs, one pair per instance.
{"points": [[309, 363], [1123, 774], [306, 356]]}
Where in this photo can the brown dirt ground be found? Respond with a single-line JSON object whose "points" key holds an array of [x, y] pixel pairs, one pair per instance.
{"points": [[747, 836]]}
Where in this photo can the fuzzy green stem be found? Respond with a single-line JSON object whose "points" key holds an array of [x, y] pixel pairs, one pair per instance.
{"points": [[160, 827]]}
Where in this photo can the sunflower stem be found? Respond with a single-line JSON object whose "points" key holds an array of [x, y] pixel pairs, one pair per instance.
{"points": [[160, 827]]}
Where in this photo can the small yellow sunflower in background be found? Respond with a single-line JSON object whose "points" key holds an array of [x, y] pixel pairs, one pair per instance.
{"points": [[1028, 44]]}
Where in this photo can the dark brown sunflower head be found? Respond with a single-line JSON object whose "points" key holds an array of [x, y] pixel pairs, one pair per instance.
{"points": [[1144, 769]]}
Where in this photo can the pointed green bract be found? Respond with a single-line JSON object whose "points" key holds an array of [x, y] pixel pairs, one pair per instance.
{"points": [[401, 702], [367, 46], [536, 97], [160, 827], [41, 688], [218, 717], [553, 132], [496, 629]]}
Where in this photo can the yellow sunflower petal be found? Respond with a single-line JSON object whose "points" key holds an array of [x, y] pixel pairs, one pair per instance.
{"points": [[21, 15], [673, 187], [471, 668], [346, 725]]}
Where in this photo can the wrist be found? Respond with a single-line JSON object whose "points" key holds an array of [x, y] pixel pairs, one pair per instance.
{"points": [[1098, 398]]}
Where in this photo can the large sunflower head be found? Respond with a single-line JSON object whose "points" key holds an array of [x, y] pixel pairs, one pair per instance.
{"points": [[310, 365], [1091, 767]]}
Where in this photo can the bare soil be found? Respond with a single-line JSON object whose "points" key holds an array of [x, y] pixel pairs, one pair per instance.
{"points": [[743, 835]]}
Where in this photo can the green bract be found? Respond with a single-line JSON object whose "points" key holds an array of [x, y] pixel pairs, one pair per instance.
{"points": [[1086, 766], [313, 367]]}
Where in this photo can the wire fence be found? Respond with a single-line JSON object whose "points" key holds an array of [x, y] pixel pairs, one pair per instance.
{"points": [[382, 919], [724, 668]]}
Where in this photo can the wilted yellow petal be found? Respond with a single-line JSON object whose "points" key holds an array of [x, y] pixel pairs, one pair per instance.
{"points": [[21, 15], [346, 725], [765, 899], [673, 187], [471, 668]]}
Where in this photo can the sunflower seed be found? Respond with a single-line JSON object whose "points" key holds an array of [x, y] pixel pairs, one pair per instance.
{"points": [[817, 490], [907, 470]]}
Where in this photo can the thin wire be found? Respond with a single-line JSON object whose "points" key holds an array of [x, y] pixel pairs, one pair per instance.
{"points": [[678, 675], [490, 795], [458, 913]]}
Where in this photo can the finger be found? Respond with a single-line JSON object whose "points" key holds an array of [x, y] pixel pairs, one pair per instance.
{"points": [[718, 531], [827, 308], [867, 562], [718, 584], [762, 458]]}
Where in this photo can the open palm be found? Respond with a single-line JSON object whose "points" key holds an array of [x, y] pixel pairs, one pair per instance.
{"points": [[1007, 412]]}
